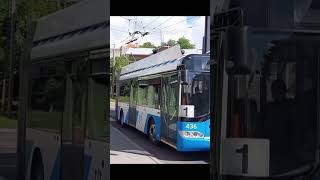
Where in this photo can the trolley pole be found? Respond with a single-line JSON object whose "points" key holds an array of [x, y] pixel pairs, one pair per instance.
{"points": [[12, 12]]}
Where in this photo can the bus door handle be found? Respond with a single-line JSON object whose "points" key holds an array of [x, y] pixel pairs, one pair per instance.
{"points": [[244, 151]]}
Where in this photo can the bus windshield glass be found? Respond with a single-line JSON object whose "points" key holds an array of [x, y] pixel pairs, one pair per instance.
{"points": [[277, 94], [197, 62], [196, 93]]}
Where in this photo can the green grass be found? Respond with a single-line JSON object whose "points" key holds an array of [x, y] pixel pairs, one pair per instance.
{"points": [[46, 120], [112, 100], [7, 123]]}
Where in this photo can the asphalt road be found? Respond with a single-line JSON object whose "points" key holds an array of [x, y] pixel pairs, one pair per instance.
{"points": [[7, 154], [130, 146]]}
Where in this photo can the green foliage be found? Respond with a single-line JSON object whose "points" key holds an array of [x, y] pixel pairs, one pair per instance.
{"points": [[30, 10], [163, 44], [3, 14], [185, 43], [120, 62], [171, 42], [5, 122], [147, 45], [26, 10]]}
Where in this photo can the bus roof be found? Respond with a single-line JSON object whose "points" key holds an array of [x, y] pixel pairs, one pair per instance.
{"points": [[163, 61], [83, 26]]}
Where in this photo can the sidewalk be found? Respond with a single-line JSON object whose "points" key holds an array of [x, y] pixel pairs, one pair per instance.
{"points": [[124, 151]]}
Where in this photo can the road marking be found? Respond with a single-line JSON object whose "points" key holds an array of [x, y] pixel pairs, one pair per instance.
{"points": [[135, 144]]}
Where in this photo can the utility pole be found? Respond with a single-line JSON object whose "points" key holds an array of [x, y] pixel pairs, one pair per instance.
{"points": [[160, 36], [12, 15], [113, 70], [206, 38], [58, 5], [23, 99], [64, 3]]}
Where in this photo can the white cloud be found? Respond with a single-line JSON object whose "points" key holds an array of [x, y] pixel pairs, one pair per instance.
{"points": [[171, 28]]}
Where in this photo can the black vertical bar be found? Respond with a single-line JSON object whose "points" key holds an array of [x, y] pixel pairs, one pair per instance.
{"points": [[12, 14], [23, 103]]}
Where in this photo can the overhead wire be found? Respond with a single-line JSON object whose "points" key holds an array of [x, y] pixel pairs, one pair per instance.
{"points": [[170, 25], [157, 17], [159, 25], [132, 37]]}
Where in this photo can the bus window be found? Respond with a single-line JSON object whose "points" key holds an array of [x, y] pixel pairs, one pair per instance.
{"points": [[196, 93], [79, 89], [157, 96], [47, 103], [142, 95], [97, 120], [150, 96], [276, 99], [124, 92]]}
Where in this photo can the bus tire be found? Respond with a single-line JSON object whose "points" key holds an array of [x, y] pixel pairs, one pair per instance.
{"points": [[152, 132], [122, 119], [119, 117], [37, 168]]}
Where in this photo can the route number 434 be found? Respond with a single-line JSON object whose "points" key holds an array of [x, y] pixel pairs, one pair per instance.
{"points": [[191, 126]]}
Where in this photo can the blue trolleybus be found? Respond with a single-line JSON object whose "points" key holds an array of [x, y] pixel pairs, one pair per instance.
{"points": [[166, 96], [65, 95]]}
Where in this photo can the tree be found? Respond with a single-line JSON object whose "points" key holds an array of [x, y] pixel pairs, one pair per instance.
{"points": [[119, 64], [163, 44], [147, 45], [185, 43], [171, 42]]}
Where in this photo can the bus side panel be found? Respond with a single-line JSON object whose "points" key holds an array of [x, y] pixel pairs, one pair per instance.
{"points": [[28, 158], [97, 161], [125, 108], [49, 145], [194, 144], [157, 123], [144, 115]]}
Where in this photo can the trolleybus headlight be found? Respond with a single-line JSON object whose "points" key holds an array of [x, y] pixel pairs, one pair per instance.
{"points": [[191, 134]]}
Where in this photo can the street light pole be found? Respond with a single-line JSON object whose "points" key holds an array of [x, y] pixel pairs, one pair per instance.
{"points": [[12, 12], [206, 38], [113, 71]]}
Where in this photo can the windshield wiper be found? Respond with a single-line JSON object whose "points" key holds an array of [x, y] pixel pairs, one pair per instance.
{"points": [[202, 116]]}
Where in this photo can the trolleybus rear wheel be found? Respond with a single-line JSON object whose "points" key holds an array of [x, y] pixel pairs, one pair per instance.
{"points": [[152, 132]]}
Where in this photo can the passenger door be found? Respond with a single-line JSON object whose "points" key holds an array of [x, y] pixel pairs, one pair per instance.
{"points": [[73, 124], [133, 104], [96, 156], [169, 108]]}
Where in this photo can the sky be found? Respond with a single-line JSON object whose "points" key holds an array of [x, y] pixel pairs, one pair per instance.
{"points": [[171, 27]]}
